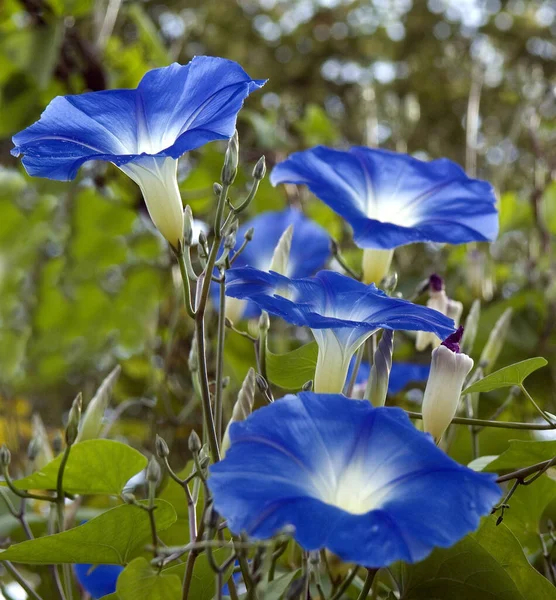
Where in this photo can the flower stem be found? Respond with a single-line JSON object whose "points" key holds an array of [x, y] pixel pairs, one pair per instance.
{"points": [[186, 284], [486, 423], [21, 580], [220, 357], [60, 505], [368, 584]]}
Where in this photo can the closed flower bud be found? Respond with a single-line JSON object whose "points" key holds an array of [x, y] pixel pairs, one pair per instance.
{"points": [[230, 241], [91, 423], [380, 371], [449, 368], [471, 327], [260, 169], [217, 189], [243, 406], [229, 170], [496, 341], [249, 234], [438, 300], [72, 429], [129, 498], [264, 322], [153, 471], [162, 450], [5, 456], [188, 226], [307, 386], [194, 442], [281, 256]]}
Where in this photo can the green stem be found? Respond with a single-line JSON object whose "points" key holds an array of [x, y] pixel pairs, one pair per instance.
{"points": [[186, 284], [539, 409], [221, 334], [521, 474], [486, 423], [60, 505], [368, 584], [345, 585], [21, 580]]}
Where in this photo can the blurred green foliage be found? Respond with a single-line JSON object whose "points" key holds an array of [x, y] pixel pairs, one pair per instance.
{"points": [[86, 283]]}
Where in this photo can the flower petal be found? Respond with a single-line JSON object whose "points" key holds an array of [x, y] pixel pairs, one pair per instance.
{"points": [[391, 199]]}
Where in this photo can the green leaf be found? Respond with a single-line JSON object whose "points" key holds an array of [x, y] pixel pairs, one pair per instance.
{"points": [[110, 538], [291, 370], [276, 588], [511, 375], [521, 454], [139, 581], [93, 467], [488, 565]]}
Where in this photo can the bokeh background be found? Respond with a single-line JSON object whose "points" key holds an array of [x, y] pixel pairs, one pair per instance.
{"points": [[85, 281]]}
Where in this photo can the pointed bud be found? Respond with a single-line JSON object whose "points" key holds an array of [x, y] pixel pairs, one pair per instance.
{"points": [[194, 442], [471, 327], [281, 256], [449, 368], [33, 449], [72, 429], [243, 406], [496, 341], [188, 226], [230, 241], [229, 170], [129, 498], [153, 471], [307, 386], [217, 189], [260, 169], [380, 371], [162, 450], [91, 424], [264, 322], [5, 456], [249, 234]]}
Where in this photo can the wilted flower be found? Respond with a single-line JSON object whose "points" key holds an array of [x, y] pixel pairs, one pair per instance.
{"points": [[391, 199], [439, 300], [449, 368], [341, 312], [143, 131], [362, 482]]}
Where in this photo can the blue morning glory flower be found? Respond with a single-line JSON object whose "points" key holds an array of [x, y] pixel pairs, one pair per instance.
{"points": [[401, 374], [360, 481], [309, 251], [341, 312], [391, 199], [98, 580], [143, 131]]}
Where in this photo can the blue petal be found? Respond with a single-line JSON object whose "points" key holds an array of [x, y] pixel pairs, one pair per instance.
{"points": [[401, 375], [288, 463], [310, 247], [392, 199], [98, 580], [330, 300], [173, 110]]}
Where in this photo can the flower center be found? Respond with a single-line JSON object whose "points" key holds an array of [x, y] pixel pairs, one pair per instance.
{"points": [[356, 491]]}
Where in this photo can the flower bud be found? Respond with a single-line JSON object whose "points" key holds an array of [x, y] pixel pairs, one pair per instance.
{"points": [[162, 450], [91, 423], [229, 170], [438, 300], [194, 442], [72, 429], [307, 386], [153, 471], [5, 456], [471, 327], [260, 169], [380, 371], [249, 234], [449, 368], [217, 189], [129, 498], [496, 341], [376, 264], [264, 322], [243, 406], [188, 226], [281, 256]]}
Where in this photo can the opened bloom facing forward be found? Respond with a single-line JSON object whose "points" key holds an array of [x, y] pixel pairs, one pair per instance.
{"points": [[341, 312], [143, 131], [391, 199], [307, 251], [360, 481]]}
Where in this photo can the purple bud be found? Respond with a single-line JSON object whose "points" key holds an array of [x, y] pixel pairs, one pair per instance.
{"points": [[452, 341], [436, 283]]}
